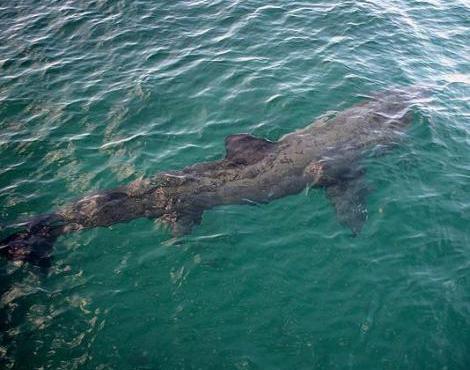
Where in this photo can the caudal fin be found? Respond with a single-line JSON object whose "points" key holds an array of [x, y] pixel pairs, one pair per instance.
{"points": [[28, 247], [33, 245]]}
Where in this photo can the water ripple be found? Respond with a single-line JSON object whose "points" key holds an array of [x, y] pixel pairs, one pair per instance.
{"points": [[96, 94]]}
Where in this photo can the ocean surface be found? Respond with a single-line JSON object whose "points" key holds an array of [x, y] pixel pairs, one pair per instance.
{"points": [[94, 94]]}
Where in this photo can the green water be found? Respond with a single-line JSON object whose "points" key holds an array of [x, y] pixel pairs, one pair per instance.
{"points": [[99, 93]]}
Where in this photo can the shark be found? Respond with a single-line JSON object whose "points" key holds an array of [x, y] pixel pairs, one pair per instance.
{"points": [[326, 154]]}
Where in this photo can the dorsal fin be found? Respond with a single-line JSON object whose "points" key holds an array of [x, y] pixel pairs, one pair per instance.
{"points": [[246, 149]]}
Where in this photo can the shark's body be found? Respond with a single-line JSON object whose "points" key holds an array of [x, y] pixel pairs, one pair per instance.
{"points": [[325, 154]]}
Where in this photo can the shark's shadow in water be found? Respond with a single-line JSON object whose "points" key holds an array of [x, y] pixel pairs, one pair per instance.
{"points": [[324, 154]]}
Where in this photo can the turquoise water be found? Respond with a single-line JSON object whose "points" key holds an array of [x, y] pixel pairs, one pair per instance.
{"points": [[96, 94]]}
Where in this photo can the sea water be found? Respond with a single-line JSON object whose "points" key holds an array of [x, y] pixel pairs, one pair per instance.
{"points": [[95, 94]]}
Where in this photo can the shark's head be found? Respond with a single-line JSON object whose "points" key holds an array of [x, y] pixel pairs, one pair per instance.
{"points": [[394, 107], [392, 111]]}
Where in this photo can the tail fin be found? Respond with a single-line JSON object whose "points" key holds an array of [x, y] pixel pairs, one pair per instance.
{"points": [[33, 245]]}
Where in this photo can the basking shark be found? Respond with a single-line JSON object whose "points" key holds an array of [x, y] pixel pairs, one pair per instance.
{"points": [[326, 154]]}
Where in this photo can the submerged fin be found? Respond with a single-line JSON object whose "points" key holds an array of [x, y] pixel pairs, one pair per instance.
{"points": [[35, 244], [246, 149], [348, 196], [32, 247], [185, 222]]}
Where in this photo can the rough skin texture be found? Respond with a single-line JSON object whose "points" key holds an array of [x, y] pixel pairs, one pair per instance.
{"points": [[324, 154]]}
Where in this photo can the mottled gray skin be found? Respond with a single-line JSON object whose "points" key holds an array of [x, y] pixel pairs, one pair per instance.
{"points": [[325, 154]]}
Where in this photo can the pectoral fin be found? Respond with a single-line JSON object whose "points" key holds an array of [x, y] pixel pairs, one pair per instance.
{"points": [[348, 196]]}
